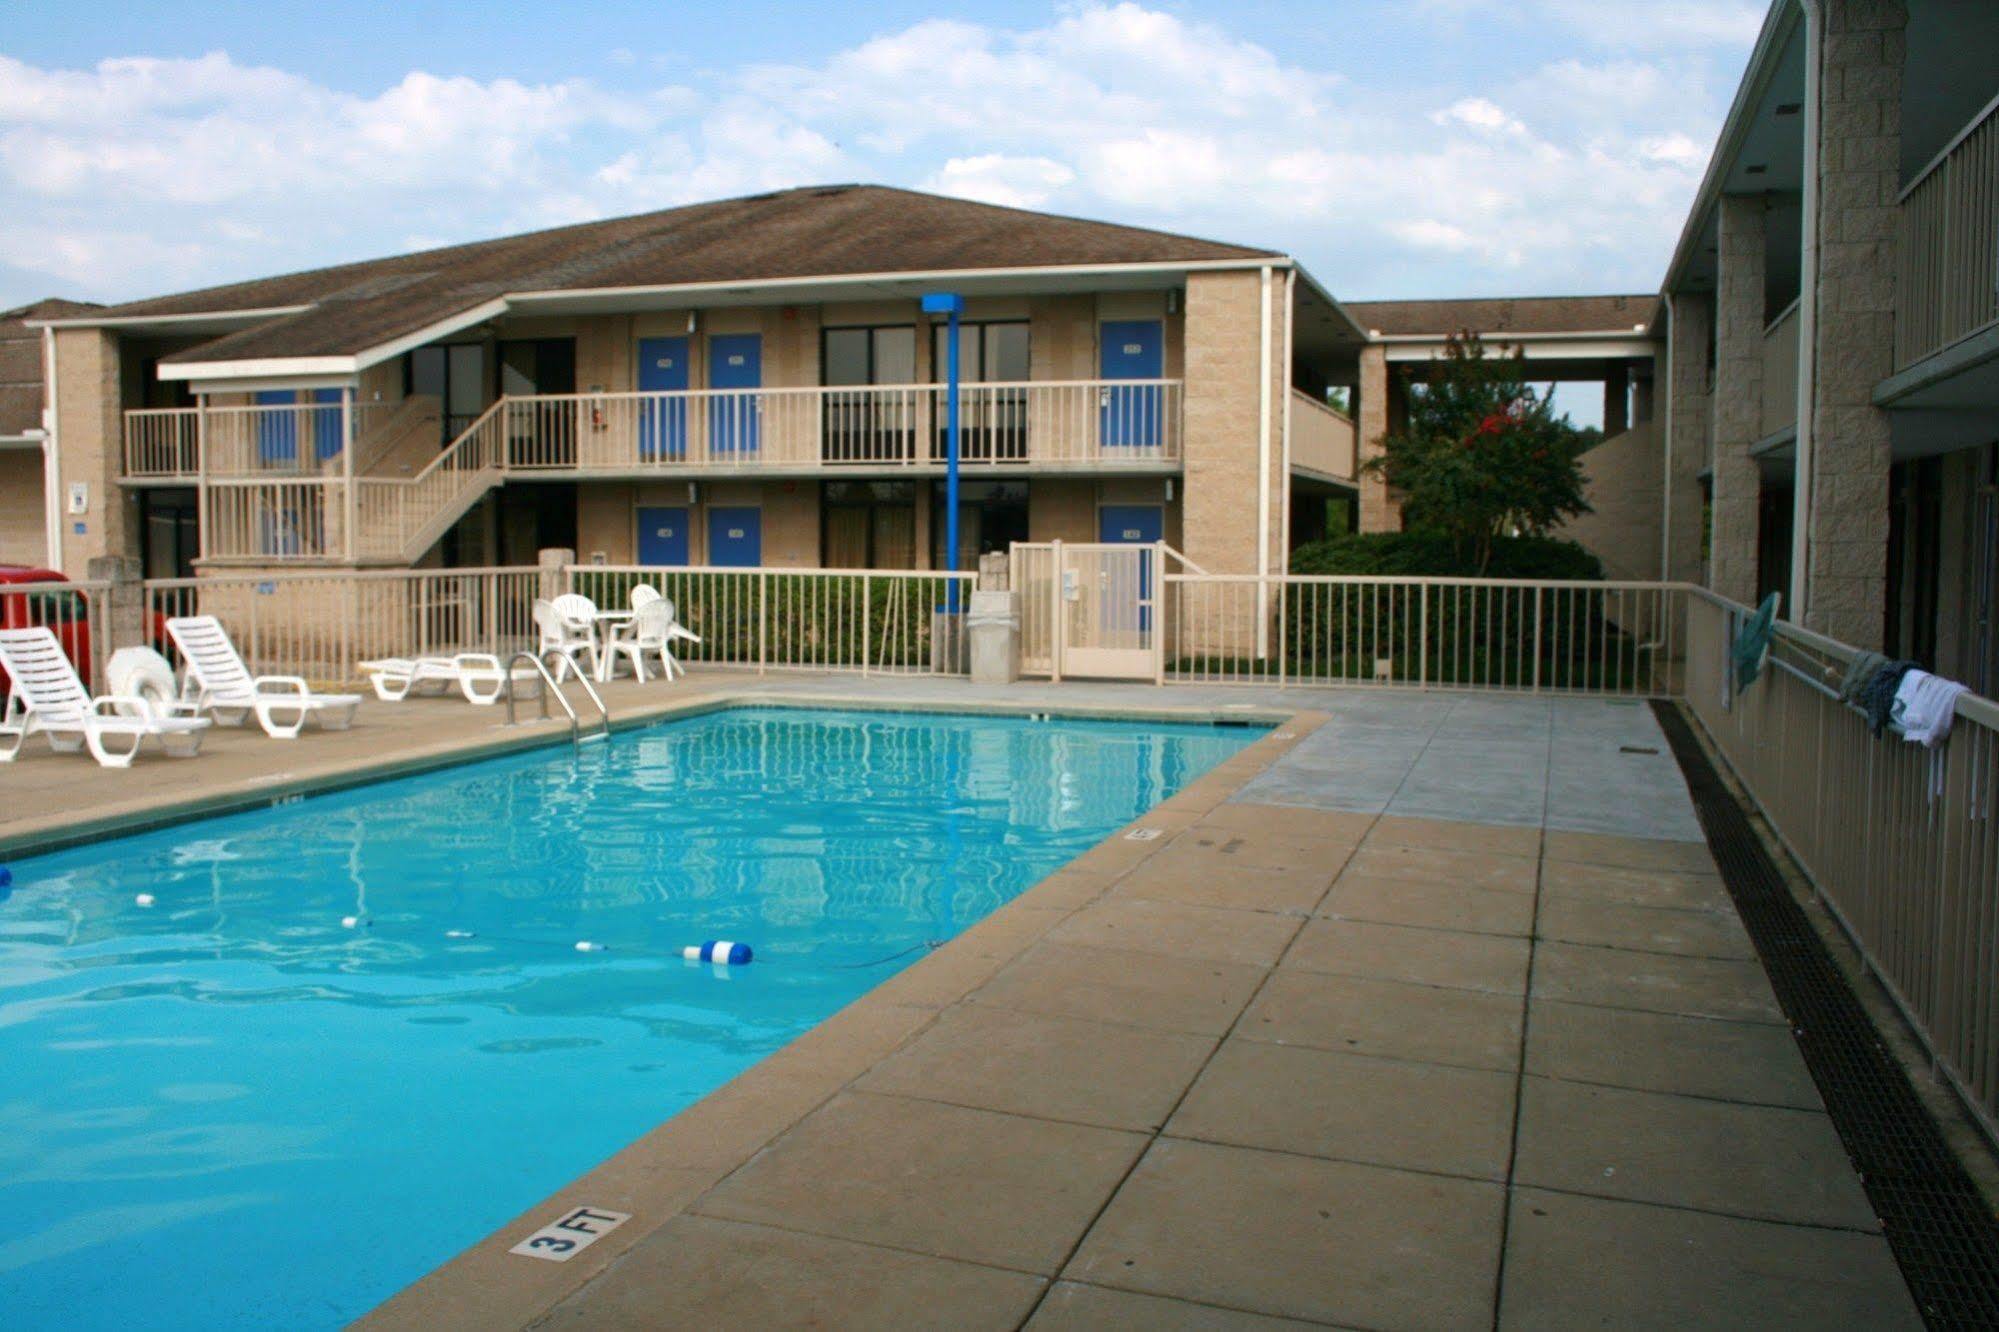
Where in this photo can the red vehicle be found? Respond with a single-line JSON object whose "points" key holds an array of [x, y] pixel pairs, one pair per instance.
{"points": [[64, 611]]}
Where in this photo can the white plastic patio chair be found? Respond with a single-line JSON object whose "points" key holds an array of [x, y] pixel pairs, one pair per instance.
{"points": [[642, 593], [676, 632], [219, 684], [477, 675], [46, 695], [561, 636], [650, 630]]}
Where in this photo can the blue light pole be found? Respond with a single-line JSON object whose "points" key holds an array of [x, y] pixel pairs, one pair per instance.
{"points": [[951, 305]]}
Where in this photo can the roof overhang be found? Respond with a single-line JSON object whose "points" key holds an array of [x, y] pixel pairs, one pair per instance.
{"points": [[1745, 113], [208, 321], [1632, 343], [709, 295]]}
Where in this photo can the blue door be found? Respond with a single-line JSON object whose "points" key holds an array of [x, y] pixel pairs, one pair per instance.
{"points": [[326, 423], [1132, 417], [663, 423], [662, 536], [1134, 525], [735, 361], [735, 538], [277, 432]]}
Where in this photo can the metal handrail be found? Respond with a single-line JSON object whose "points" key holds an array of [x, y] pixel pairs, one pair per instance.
{"points": [[550, 686]]}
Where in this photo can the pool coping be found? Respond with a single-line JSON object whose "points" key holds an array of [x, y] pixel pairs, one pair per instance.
{"points": [[666, 1170], [147, 814]]}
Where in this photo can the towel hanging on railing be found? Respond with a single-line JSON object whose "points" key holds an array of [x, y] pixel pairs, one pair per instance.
{"points": [[1876, 698], [1752, 642]]}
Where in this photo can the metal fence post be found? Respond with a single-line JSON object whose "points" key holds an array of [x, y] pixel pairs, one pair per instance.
{"points": [[867, 620], [1538, 592], [1422, 636]]}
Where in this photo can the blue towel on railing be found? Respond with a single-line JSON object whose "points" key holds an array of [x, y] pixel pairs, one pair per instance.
{"points": [[1752, 643]]}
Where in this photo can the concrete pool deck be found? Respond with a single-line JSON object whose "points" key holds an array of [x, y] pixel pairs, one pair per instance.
{"points": [[1396, 1022]]}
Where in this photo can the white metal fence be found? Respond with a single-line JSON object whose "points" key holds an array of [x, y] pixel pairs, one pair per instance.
{"points": [[870, 621], [1901, 842], [1488, 634]]}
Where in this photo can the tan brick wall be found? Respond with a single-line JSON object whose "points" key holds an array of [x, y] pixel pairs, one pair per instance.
{"points": [[23, 538], [88, 424], [1622, 481], [606, 517], [1737, 401], [1223, 411], [1379, 510], [1692, 421], [1859, 153]]}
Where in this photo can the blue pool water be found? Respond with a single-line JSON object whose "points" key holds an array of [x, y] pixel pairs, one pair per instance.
{"points": [[228, 1109]]}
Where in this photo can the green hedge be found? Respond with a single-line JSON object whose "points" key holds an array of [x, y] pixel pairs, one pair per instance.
{"points": [[1427, 554]]}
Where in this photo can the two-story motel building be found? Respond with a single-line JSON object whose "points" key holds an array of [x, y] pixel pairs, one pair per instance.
{"points": [[740, 383]]}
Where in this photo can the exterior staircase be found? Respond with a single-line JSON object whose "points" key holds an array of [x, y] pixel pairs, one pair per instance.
{"points": [[398, 518]]}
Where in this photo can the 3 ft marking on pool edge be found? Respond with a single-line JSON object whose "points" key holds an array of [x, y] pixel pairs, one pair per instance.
{"points": [[570, 1234]]}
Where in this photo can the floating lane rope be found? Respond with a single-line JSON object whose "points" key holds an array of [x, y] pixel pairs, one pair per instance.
{"points": [[720, 951]]}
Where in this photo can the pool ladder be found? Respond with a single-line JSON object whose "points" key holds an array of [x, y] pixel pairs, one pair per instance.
{"points": [[549, 686]]}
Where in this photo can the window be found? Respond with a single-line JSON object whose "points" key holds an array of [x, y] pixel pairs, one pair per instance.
{"points": [[1914, 555], [868, 525], [454, 374], [992, 422], [869, 425], [992, 515], [988, 353], [545, 435]]}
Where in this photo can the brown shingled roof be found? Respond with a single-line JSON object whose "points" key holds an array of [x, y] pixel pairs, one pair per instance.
{"points": [[21, 391], [1512, 314], [818, 231]]}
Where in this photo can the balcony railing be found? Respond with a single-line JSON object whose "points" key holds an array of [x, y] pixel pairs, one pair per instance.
{"points": [[1091, 423], [1321, 438], [266, 440], [1948, 280], [1780, 372], [1084, 423]]}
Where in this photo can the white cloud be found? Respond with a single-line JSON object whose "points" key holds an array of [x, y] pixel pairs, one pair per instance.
{"points": [[141, 175], [1017, 182]]}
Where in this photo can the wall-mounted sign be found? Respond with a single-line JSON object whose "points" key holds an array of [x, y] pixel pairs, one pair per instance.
{"points": [[79, 497]]}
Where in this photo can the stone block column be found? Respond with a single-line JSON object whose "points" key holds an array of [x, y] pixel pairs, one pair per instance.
{"points": [[1689, 393], [1859, 149], [1737, 401], [1379, 510]]}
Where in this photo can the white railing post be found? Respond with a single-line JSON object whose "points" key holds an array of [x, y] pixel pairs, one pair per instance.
{"points": [[350, 500], [763, 620]]}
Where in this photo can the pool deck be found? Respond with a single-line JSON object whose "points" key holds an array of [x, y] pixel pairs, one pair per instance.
{"points": [[1425, 1010]]}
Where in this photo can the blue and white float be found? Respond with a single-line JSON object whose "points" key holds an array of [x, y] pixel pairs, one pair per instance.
{"points": [[719, 951]]}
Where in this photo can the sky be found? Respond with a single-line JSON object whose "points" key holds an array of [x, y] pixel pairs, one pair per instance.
{"points": [[1398, 148]]}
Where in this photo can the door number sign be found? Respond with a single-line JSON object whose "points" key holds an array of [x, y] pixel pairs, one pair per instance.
{"points": [[568, 1235]]}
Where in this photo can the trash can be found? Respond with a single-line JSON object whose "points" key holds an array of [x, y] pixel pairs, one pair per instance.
{"points": [[994, 629]]}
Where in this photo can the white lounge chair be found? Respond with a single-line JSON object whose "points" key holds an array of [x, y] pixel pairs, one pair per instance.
{"points": [[220, 684], [477, 675], [46, 695], [562, 635]]}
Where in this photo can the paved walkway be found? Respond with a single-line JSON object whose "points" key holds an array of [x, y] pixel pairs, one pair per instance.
{"points": [[1285, 1062]]}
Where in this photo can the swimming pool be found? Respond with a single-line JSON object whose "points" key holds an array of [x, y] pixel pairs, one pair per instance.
{"points": [[231, 1108]]}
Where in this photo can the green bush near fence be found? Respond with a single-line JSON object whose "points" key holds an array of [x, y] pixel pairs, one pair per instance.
{"points": [[1429, 554]]}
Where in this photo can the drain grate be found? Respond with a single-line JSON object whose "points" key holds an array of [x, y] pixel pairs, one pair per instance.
{"points": [[1943, 1235]]}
